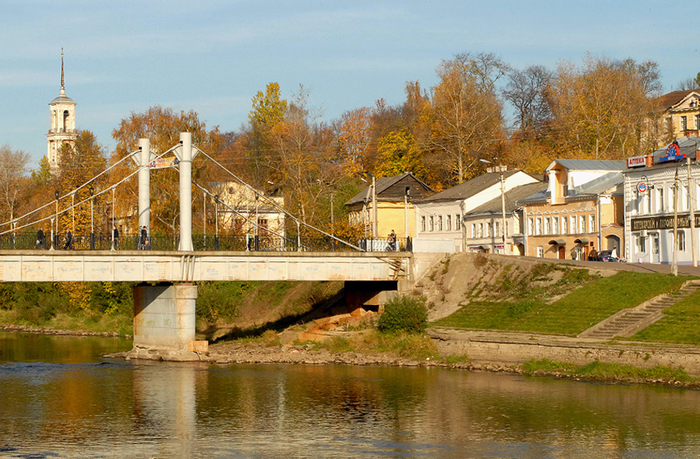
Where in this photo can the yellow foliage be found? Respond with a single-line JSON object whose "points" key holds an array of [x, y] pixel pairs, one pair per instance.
{"points": [[78, 292]]}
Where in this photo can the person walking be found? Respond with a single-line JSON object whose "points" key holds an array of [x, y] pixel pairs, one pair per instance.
{"points": [[40, 239], [392, 240], [69, 241], [115, 238], [143, 237]]}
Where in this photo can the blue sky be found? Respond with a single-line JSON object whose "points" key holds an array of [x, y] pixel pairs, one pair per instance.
{"points": [[213, 56]]}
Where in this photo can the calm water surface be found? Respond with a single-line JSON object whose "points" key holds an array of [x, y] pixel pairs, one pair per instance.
{"points": [[59, 398]]}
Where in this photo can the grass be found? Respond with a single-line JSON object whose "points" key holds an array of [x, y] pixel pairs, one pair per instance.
{"points": [[600, 371], [119, 323], [582, 308], [679, 326], [408, 345]]}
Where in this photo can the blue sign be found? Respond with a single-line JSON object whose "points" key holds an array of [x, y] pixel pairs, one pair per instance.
{"points": [[673, 153]]}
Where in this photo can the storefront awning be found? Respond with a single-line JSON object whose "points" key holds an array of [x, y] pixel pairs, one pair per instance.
{"points": [[582, 241], [557, 242]]}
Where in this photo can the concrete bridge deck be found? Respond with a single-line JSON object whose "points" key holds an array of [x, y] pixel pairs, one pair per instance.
{"points": [[157, 266]]}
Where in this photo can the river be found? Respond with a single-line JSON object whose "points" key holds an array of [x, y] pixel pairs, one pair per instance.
{"points": [[59, 398]]}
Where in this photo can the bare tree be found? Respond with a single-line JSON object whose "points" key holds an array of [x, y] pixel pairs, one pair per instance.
{"points": [[527, 91], [689, 83], [13, 175]]}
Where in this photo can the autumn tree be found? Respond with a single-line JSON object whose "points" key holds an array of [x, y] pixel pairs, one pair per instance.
{"points": [[599, 110], [398, 153], [163, 127], [465, 115], [13, 181], [354, 138], [267, 112], [80, 164]]}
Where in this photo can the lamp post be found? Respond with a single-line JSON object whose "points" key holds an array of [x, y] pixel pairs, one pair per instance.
{"points": [[72, 211], [216, 220], [56, 234], [52, 219], [114, 201], [92, 219], [503, 203], [204, 217], [406, 198]]}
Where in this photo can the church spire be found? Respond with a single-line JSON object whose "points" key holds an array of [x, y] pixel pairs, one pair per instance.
{"points": [[63, 86]]}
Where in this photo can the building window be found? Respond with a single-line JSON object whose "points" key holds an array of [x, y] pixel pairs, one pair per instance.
{"points": [[582, 224], [573, 224], [641, 244], [530, 226], [540, 252], [697, 122], [448, 223], [660, 199], [473, 230], [681, 241], [564, 225], [555, 225], [480, 233], [684, 123], [489, 229], [439, 223], [431, 224], [538, 226], [458, 222], [547, 226], [498, 230], [422, 223], [591, 223]]}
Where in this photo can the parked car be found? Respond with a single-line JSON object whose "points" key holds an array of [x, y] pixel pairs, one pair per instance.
{"points": [[606, 255]]}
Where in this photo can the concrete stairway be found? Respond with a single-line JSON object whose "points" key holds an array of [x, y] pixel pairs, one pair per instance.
{"points": [[629, 321]]}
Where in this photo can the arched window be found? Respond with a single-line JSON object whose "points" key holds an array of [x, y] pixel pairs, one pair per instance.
{"points": [[65, 120]]}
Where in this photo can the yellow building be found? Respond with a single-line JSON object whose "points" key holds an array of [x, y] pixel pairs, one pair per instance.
{"points": [[581, 210], [394, 207], [681, 115]]}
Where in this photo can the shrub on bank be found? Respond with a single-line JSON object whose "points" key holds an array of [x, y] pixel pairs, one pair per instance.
{"points": [[404, 313]]}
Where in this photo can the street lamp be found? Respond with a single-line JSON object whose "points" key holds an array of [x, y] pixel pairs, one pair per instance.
{"points": [[503, 204], [92, 219], [216, 220], [56, 234], [406, 198]]}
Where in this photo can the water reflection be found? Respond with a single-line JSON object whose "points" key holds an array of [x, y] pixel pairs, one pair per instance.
{"points": [[98, 408]]}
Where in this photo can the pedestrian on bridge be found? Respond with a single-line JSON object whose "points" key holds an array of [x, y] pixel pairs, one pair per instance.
{"points": [[69, 241], [115, 238], [40, 239], [143, 237]]}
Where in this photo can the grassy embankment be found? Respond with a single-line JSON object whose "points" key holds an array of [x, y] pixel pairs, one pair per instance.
{"points": [[530, 311]]}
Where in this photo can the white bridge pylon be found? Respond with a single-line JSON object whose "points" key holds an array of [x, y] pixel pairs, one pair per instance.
{"points": [[184, 155]]}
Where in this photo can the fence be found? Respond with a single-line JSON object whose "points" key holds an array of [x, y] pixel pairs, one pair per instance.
{"points": [[201, 242]]}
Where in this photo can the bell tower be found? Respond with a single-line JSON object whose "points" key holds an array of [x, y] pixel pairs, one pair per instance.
{"points": [[62, 130]]}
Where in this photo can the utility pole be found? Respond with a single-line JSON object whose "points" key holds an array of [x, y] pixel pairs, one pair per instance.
{"points": [[503, 210], [691, 205], [674, 262], [374, 207]]}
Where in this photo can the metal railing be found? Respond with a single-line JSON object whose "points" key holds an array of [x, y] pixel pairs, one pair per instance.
{"points": [[201, 242]]}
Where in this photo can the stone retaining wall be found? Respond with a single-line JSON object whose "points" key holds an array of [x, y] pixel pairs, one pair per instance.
{"points": [[504, 352]]}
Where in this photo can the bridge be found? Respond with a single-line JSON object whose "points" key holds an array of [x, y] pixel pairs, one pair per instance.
{"points": [[157, 266], [164, 300]]}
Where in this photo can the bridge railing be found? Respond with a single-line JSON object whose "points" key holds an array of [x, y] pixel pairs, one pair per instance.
{"points": [[202, 242]]}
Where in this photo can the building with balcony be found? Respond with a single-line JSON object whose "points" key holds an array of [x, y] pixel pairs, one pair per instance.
{"points": [[581, 210], [655, 188]]}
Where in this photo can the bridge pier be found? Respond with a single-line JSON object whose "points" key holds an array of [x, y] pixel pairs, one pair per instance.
{"points": [[164, 319], [369, 295]]}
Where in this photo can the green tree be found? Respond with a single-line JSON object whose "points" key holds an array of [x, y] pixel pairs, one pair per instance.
{"points": [[398, 153]]}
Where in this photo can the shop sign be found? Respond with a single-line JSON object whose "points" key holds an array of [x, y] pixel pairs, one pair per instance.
{"points": [[663, 223], [673, 153], [636, 161], [162, 163]]}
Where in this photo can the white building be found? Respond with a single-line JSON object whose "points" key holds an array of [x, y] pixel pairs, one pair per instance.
{"points": [[439, 217], [650, 198], [62, 130], [484, 225]]}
